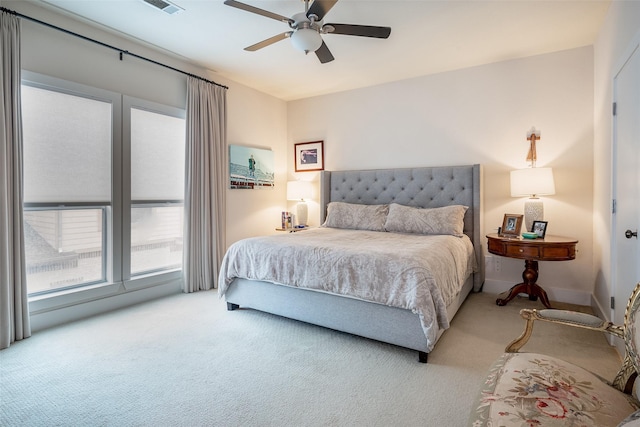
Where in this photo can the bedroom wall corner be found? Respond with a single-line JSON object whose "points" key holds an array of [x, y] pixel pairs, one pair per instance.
{"points": [[257, 120], [477, 115], [620, 26]]}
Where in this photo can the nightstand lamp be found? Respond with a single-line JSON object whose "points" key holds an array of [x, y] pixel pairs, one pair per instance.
{"points": [[532, 182], [300, 190]]}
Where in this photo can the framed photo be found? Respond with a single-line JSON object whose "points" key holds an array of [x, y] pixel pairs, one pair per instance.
{"points": [[309, 156], [511, 225], [251, 168], [540, 228]]}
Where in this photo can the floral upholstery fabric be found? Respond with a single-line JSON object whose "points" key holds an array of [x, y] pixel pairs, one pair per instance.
{"points": [[524, 389]]}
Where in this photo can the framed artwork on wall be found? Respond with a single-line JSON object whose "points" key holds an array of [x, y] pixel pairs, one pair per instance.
{"points": [[511, 225], [251, 168], [309, 156]]}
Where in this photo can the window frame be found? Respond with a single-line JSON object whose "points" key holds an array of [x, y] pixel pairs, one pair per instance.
{"points": [[40, 206], [128, 103], [117, 211]]}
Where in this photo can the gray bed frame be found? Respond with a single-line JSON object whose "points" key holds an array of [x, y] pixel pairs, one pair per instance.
{"points": [[425, 187]]}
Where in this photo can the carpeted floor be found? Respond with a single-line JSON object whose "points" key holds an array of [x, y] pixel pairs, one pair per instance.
{"points": [[186, 361]]}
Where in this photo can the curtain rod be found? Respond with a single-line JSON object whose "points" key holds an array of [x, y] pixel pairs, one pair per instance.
{"points": [[121, 51]]}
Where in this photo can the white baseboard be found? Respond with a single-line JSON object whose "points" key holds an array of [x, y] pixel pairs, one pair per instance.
{"points": [[600, 311], [555, 294]]}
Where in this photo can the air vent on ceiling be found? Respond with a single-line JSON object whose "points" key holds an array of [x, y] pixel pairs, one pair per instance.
{"points": [[164, 6]]}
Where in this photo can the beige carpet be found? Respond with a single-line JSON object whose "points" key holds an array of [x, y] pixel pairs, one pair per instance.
{"points": [[186, 361]]}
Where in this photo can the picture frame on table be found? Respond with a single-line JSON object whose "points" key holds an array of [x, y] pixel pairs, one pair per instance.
{"points": [[309, 156], [511, 225], [540, 228]]}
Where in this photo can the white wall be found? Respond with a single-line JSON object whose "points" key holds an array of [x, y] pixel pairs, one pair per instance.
{"points": [[620, 27], [257, 120], [478, 115]]}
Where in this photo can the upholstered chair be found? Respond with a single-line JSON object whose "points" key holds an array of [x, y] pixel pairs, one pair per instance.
{"points": [[528, 389]]}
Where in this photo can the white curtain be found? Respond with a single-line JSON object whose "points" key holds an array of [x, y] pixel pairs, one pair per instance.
{"points": [[205, 184], [14, 307]]}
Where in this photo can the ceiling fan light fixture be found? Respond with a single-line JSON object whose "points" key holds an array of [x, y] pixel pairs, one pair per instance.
{"points": [[308, 26], [306, 40]]}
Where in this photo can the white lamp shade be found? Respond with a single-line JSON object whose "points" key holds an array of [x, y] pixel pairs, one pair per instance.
{"points": [[299, 190], [532, 182], [306, 39]]}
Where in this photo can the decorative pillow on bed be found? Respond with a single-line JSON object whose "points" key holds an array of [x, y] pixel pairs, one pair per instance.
{"points": [[356, 217], [444, 220]]}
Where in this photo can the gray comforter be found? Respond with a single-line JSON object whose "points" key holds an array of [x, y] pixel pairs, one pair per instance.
{"points": [[415, 272]]}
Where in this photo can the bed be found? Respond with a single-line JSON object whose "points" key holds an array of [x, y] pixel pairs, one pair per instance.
{"points": [[415, 322]]}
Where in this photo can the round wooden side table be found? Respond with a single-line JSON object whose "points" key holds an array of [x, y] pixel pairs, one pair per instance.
{"points": [[551, 248]]}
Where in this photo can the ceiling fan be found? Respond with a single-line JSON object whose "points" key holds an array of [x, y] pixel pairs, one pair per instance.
{"points": [[306, 28]]}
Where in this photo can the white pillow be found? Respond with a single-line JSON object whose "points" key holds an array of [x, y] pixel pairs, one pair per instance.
{"points": [[355, 216], [444, 220]]}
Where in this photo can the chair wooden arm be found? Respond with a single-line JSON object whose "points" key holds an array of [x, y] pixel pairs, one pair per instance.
{"points": [[561, 317], [628, 373], [626, 376]]}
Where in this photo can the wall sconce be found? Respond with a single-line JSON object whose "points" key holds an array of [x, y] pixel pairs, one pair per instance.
{"points": [[300, 190], [532, 182]]}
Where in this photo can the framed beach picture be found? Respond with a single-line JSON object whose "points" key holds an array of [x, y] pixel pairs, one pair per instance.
{"points": [[251, 168], [309, 156], [511, 225]]}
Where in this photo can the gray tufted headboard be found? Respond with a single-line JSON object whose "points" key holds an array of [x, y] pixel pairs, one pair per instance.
{"points": [[425, 187]]}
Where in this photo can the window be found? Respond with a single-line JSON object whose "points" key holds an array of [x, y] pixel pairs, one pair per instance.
{"points": [[67, 187], [157, 190], [103, 186], [65, 247]]}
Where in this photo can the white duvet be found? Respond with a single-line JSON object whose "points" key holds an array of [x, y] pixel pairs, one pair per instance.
{"points": [[410, 271]]}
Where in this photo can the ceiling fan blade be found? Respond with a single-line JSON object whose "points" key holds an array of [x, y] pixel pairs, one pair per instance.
{"points": [[320, 8], [324, 54], [258, 11], [269, 41], [358, 30]]}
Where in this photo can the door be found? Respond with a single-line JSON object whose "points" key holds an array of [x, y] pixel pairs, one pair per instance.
{"points": [[626, 184]]}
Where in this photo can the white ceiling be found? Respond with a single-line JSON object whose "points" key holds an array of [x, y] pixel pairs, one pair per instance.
{"points": [[427, 36]]}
